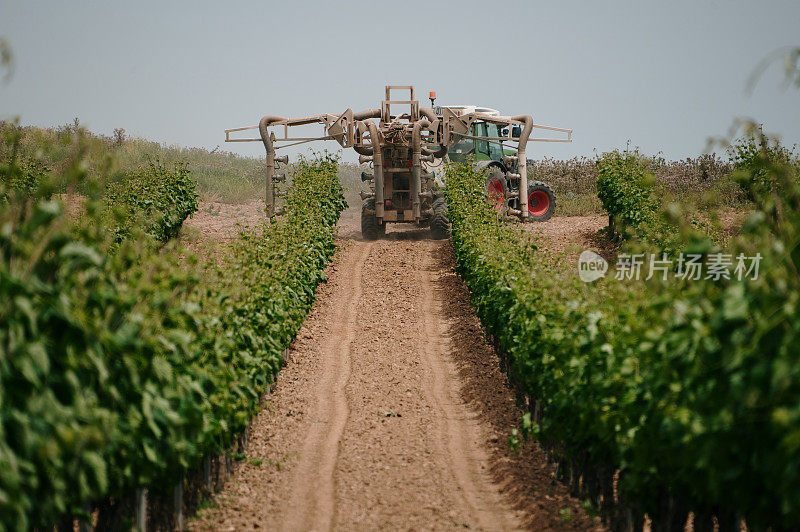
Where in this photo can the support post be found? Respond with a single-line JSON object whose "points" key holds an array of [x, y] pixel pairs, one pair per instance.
{"points": [[85, 524], [177, 503], [141, 510], [207, 473]]}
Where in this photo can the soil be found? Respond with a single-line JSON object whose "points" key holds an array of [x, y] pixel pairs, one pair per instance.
{"points": [[392, 411], [223, 221], [565, 237]]}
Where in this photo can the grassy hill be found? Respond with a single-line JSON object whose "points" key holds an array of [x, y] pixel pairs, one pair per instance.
{"points": [[220, 175]]}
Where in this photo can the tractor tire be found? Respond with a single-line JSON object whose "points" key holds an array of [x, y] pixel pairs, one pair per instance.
{"points": [[440, 223], [370, 228], [497, 189], [541, 202]]}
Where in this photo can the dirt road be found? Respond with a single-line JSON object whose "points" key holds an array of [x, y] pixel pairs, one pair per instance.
{"points": [[392, 412]]}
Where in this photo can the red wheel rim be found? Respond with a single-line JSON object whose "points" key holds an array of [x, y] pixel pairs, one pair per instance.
{"points": [[495, 194], [538, 203]]}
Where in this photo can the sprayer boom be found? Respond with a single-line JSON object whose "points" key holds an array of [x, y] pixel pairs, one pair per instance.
{"points": [[403, 146]]}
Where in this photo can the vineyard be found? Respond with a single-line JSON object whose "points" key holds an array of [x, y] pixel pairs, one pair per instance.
{"points": [[656, 398], [124, 362], [136, 375], [317, 267]]}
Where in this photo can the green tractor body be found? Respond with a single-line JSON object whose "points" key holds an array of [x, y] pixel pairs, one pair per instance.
{"points": [[501, 186]]}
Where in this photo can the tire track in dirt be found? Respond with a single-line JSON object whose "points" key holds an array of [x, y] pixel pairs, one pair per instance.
{"points": [[293, 435], [391, 413], [410, 456], [460, 435], [312, 504]]}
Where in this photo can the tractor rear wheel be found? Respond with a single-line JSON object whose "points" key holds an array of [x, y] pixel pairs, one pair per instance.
{"points": [[496, 189], [370, 228], [541, 202], [440, 223]]}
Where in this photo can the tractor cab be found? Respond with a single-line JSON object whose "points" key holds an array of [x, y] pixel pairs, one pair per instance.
{"points": [[482, 144], [476, 146]]}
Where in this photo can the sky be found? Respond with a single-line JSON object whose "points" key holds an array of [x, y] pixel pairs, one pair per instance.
{"points": [[664, 75]]}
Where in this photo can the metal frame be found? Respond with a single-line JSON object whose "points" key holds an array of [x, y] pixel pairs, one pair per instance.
{"points": [[420, 133]]}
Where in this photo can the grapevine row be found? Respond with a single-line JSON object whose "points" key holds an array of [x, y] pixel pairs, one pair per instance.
{"points": [[656, 398], [122, 363]]}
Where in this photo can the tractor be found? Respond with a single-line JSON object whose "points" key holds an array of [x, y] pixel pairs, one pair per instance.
{"points": [[404, 147], [502, 183]]}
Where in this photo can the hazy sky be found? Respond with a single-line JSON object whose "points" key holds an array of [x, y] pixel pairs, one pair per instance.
{"points": [[664, 74]]}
